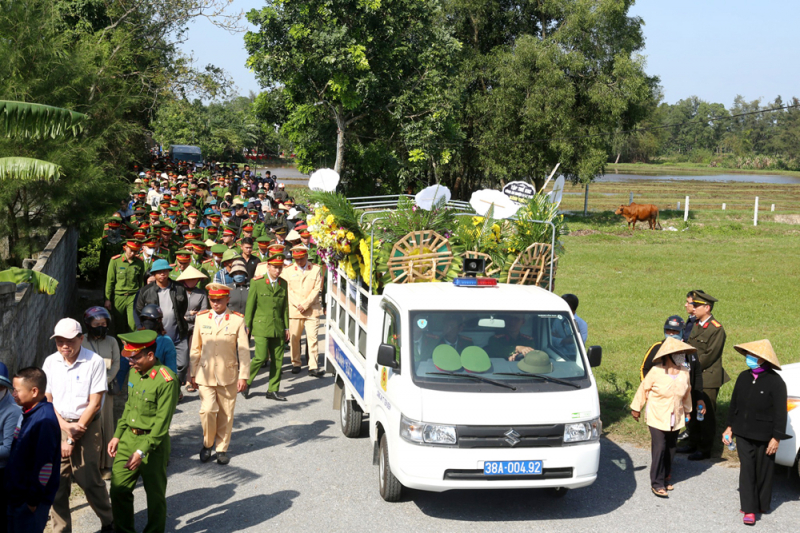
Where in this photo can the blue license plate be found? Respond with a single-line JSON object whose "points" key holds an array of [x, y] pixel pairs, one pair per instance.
{"points": [[512, 468]]}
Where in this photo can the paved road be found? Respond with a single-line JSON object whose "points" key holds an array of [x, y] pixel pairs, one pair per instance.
{"points": [[293, 470], [286, 175]]}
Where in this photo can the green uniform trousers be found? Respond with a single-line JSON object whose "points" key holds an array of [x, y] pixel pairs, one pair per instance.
{"points": [[272, 348], [702, 435], [154, 479], [122, 313]]}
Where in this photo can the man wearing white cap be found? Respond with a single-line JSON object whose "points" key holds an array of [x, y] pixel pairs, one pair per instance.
{"points": [[76, 383]]}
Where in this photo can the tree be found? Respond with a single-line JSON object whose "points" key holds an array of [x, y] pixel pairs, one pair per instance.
{"points": [[354, 59], [115, 62], [557, 93], [221, 129]]}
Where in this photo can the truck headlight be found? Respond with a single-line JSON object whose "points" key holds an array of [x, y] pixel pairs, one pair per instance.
{"points": [[422, 433], [588, 431]]}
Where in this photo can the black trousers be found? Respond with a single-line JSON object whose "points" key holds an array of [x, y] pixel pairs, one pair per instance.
{"points": [[755, 474], [3, 502], [662, 449], [702, 434]]}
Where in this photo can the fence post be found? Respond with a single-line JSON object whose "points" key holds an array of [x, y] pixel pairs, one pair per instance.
{"points": [[679, 206], [686, 210], [586, 200], [755, 213], [723, 206], [630, 198], [773, 207]]}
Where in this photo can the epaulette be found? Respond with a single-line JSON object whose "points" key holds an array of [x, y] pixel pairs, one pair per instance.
{"points": [[237, 313], [172, 265], [465, 338], [165, 374], [208, 261], [258, 278], [498, 335], [526, 337], [717, 324], [117, 256]]}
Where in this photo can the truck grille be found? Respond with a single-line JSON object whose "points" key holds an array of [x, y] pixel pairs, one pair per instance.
{"points": [[548, 436]]}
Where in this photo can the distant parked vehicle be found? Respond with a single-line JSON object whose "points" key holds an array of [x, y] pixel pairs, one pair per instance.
{"points": [[185, 152]]}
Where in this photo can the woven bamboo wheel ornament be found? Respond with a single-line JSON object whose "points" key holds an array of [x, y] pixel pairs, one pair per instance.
{"points": [[491, 270], [532, 266], [420, 256]]}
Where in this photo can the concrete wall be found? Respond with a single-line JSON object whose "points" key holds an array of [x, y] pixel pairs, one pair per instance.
{"points": [[27, 318]]}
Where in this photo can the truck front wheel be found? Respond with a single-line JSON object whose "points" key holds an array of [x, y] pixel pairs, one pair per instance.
{"points": [[390, 488], [350, 418]]}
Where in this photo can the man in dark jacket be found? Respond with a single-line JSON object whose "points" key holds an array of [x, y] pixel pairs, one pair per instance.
{"points": [[32, 474], [241, 287], [171, 297]]}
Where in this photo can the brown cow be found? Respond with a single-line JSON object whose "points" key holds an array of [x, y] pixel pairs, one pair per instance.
{"points": [[635, 212]]}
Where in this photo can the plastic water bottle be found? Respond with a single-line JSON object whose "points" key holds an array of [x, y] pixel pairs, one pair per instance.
{"points": [[700, 416], [731, 444]]}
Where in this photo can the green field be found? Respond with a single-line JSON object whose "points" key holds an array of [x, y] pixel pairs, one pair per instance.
{"points": [[630, 282], [671, 167]]}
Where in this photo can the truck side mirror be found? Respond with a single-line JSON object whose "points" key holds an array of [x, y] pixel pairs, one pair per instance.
{"points": [[595, 355], [387, 356]]}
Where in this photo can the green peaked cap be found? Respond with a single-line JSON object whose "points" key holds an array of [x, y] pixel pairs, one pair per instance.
{"points": [[475, 359], [446, 358]]}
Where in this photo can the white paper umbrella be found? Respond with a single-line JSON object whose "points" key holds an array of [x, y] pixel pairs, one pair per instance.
{"points": [[324, 179], [557, 192], [481, 201], [430, 196]]}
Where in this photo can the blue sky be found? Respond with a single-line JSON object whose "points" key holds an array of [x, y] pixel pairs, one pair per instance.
{"points": [[713, 49]]}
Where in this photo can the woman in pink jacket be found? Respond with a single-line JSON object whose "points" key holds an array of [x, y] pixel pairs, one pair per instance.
{"points": [[667, 392]]}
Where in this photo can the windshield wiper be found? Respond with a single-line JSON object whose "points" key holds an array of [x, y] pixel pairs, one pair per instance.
{"points": [[540, 376], [471, 376]]}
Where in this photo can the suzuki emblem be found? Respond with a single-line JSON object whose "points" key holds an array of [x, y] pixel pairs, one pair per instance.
{"points": [[512, 437]]}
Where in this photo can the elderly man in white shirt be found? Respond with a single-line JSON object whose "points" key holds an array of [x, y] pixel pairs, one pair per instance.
{"points": [[76, 384]]}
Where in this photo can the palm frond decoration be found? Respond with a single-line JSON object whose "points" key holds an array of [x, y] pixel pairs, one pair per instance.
{"points": [[35, 121], [43, 283], [28, 169], [340, 207]]}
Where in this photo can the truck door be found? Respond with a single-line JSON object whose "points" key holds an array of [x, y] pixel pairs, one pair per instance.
{"points": [[387, 382]]}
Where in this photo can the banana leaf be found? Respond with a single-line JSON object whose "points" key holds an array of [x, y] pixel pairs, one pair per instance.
{"points": [[27, 120], [43, 283], [27, 169]]}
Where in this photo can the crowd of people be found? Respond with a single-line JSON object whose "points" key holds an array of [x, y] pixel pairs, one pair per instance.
{"points": [[200, 275], [681, 377]]}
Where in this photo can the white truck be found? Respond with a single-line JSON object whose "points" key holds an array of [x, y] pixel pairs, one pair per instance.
{"points": [[465, 387]]}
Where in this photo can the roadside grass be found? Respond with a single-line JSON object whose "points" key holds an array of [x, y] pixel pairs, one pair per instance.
{"points": [[629, 282]]}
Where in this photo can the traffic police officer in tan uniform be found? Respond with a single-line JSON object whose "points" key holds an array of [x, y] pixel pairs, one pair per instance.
{"points": [[305, 285], [220, 365]]}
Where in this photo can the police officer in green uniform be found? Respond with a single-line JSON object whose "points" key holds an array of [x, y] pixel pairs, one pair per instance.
{"points": [[708, 336], [511, 344], [267, 318], [124, 278], [451, 335], [211, 266], [141, 444], [113, 238]]}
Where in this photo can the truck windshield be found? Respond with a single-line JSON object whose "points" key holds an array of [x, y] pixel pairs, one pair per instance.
{"points": [[528, 350]]}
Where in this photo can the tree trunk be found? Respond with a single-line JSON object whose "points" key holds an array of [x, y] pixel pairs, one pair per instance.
{"points": [[341, 125]]}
